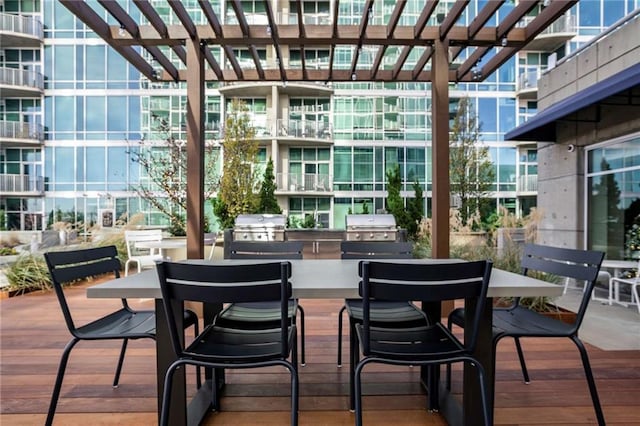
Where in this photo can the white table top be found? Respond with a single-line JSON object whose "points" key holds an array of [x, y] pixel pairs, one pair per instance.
{"points": [[619, 264], [322, 279]]}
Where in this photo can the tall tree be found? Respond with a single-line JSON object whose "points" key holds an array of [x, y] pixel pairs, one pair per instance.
{"points": [[163, 177], [395, 203], [238, 185], [268, 202], [415, 209], [471, 171]]}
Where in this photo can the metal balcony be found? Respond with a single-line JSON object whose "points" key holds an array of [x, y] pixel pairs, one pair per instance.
{"points": [[304, 183], [558, 33], [18, 31], [16, 83], [21, 185], [527, 184], [14, 133], [528, 84], [303, 129]]}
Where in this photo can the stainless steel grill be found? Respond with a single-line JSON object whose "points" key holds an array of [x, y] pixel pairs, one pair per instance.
{"points": [[371, 227], [259, 227]]}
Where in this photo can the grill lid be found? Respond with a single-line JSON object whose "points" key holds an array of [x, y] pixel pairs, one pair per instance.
{"points": [[260, 221], [368, 221]]}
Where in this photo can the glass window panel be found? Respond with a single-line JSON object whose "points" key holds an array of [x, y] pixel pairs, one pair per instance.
{"points": [[95, 171], [95, 114], [117, 113], [487, 114], [64, 68], [95, 67], [63, 110]]}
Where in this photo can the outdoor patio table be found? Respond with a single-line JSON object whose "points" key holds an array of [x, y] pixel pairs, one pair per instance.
{"points": [[323, 279]]}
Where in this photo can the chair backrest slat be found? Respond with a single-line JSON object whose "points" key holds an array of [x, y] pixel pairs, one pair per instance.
{"points": [[276, 250], [581, 265], [69, 266], [219, 284], [429, 282], [375, 250]]}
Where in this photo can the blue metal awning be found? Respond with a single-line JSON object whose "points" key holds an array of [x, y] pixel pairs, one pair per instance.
{"points": [[542, 127]]}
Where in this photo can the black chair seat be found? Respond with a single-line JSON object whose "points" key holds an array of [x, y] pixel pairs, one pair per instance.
{"points": [[525, 322], [129, 324], [223, 345], [400, 314], [257, 315], [519, 321], [430, 342], [120, 324]]}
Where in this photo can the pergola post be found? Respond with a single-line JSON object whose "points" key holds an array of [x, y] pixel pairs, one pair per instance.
{"points": [[195, 149], [440, 149]]}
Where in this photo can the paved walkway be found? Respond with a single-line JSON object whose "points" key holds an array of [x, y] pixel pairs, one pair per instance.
{"points": [[606, 327]]}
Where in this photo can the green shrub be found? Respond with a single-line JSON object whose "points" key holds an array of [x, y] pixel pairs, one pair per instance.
{"points": [[27, 273], [7, 251]]}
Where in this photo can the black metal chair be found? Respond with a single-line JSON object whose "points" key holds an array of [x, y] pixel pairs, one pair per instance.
{"points": [[399, 314], [518, 321], [218, 347], [126, 323], [263, 315], [427, 345]]}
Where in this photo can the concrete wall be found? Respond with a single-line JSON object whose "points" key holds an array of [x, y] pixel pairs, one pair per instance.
{"points": [[561, 171]]}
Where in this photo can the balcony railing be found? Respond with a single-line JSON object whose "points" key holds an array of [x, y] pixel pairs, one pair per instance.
{"points": [[529, 80], [11, 184], [303, 129], [527, 183], [17, 77], [27, 25], [17, 130], [304, 182]]}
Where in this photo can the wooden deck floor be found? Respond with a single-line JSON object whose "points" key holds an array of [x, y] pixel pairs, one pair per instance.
{"points": [[33, 336]]}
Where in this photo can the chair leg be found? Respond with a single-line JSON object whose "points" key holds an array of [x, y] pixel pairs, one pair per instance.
{"points": [[486, 412], [523, 366], [358, 391], [196, 332], [590, 380], [166, 395], [340, 335], [56, 387], [448, 366], [302, 332], [116, 378], [295, 391], [354, 355]]}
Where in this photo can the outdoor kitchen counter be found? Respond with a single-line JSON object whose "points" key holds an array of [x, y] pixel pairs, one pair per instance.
{"points": [[315, 237]]}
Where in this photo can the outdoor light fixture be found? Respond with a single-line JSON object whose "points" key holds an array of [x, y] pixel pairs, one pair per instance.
{"points": [[504, 41], [354, 77], [121, 31]]}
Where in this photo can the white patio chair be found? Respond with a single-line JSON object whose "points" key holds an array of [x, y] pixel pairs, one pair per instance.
{"points": [[634, 282], [143, 257]]}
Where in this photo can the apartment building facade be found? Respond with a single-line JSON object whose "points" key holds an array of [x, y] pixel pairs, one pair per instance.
{"points": [[72, 111]]}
